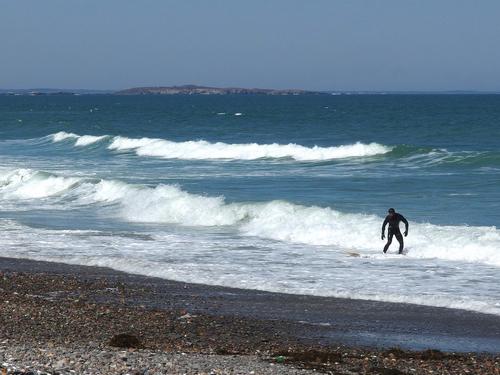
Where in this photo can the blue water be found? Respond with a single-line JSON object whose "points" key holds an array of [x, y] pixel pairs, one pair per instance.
{"points": [[274, 193]]}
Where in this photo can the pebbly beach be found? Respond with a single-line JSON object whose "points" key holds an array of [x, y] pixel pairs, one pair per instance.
{"points": [[67, 319]]}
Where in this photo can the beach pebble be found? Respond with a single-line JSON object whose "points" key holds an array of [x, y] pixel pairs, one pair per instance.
{"points": [[33, 360]]}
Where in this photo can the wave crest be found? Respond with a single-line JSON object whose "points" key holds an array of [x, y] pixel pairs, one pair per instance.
{"points": [[81, 140], [203, 150], [29, 184]]}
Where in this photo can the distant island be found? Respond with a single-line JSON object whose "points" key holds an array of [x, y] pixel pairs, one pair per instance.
{"points": [[207, 90], [204, 90]]}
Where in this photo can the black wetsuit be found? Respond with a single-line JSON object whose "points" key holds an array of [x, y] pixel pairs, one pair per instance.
{"points": [[394, 230]]}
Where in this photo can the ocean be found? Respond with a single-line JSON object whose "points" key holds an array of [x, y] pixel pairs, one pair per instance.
{"points": [[283, 194]]}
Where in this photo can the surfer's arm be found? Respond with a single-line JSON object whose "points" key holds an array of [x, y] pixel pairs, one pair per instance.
{"points": [[406, 223], [383, 227]]}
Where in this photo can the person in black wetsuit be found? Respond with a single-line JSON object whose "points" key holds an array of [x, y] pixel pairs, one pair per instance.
{"points": [[393, 219]]}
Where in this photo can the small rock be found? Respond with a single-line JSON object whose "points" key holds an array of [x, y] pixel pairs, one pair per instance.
{"points": [[62, 363], [124, 340], [187, 316]]}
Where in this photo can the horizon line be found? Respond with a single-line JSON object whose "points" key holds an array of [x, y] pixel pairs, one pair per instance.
{"points": [[347, 91]]}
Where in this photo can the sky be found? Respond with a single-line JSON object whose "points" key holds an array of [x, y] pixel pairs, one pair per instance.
{"points": [[373, 45]]}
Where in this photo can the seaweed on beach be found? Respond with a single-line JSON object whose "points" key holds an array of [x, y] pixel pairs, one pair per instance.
{"points": [[125, 340]]}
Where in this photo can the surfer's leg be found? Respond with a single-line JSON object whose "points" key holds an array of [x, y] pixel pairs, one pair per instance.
{"points": [[399, 237], [389, 241]]}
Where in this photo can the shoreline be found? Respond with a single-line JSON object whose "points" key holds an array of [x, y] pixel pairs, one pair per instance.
{"points": [[80, 306], [357, 317]]}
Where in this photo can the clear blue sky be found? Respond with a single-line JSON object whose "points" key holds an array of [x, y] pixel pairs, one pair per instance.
{"points": [[312, 44]]}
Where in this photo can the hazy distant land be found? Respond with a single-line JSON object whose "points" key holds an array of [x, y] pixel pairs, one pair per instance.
{"points": [[204, 90], [168, 90], [208, 90]]}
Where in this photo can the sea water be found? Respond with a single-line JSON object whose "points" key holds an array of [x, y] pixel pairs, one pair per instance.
{"points": [[283, 194]]}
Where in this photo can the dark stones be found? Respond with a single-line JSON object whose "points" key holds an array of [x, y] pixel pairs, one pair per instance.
{"points": [[125, 340]]}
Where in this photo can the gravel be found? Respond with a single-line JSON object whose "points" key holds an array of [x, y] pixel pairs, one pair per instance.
{"points": [[91, 360], [72, 324]]}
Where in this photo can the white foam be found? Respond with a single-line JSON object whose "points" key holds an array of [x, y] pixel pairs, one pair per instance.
{"points": [[61, 136], [206, 150], [81, 140], [324, 226], [276, 220], [86, 140], [167, 204], [280, 268], [29, 184], [288, 222], [203, 150]]}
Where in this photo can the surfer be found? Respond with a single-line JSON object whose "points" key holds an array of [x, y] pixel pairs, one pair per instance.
{"points": [[393, 219]]}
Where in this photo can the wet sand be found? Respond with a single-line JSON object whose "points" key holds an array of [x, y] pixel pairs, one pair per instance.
{"points": [[66, 306]]}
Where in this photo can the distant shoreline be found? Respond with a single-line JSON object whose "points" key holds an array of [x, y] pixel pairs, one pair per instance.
{"points": [[205, 90], [222, 91]]}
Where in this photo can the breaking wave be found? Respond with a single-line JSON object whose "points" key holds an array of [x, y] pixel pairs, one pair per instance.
{"points": [[276, 220], [80, 140], [29, 184], [203, 150], [407, 155], [250, 151]]}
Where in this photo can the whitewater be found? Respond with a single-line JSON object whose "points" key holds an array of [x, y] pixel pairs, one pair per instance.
{"points": [[287, 198], [327, 234], [203, 150]]}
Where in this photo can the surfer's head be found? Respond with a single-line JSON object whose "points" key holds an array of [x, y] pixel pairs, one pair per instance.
{"points": [[391, 211]]}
